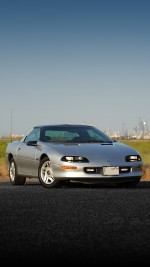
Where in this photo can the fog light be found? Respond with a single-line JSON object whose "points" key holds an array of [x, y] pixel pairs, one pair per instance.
{"points": [[90, 170]]}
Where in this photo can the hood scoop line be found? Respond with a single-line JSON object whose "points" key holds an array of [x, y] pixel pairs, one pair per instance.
{"points": [[107, 144]]}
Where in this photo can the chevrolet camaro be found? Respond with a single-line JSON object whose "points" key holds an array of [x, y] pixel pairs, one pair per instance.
{"points": [[74, 153]]}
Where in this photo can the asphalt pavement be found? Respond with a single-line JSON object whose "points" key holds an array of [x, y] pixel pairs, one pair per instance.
{"points": [[75, 224]]}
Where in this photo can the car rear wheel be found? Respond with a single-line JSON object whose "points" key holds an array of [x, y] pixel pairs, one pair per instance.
{"points": [[46, 176], [15, 179]]}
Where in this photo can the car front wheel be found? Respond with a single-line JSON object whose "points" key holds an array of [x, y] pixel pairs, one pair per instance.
{"points": [[46, 177], [15, 179]]}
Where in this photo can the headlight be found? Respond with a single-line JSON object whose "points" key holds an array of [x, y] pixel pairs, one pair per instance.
{"points": [[131, 158], [74, 159]]}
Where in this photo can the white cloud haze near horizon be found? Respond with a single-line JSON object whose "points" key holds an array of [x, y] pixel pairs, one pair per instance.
{"points": [[74, 62]]}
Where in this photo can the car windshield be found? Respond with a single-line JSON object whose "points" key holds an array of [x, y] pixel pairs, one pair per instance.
{"points": [[73, 134]]}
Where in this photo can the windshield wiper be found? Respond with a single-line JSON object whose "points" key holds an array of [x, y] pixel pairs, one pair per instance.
{"points": [[81, 141], [89, 141]]}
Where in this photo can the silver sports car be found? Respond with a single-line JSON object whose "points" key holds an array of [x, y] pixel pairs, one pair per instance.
{"points": [[75, 153]]}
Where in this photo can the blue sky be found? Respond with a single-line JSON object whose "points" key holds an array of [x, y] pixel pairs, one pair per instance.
{"points": [[76, 61]]}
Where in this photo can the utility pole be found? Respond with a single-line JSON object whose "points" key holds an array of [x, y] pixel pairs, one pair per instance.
{"points": [[11, 124]]}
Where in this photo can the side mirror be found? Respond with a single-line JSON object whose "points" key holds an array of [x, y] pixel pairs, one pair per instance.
{"points": [[32, 143]]}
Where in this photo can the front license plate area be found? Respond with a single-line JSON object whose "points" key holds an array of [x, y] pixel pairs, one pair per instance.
{"points": [[110, 171]]}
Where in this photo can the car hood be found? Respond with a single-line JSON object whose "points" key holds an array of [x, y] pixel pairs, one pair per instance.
{"points": [[112, 153]]}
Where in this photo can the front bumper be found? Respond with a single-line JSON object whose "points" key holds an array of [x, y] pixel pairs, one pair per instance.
{"points": [[79, 172]]}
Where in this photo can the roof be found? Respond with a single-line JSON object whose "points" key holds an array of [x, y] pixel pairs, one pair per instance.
{"points": [[62, 125]]}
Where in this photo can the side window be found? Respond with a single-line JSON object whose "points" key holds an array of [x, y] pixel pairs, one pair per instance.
{"points": [[33, 135]]}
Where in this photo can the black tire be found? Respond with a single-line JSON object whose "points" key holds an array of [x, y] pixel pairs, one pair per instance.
{"points": [[46, 174], [15, 179]]}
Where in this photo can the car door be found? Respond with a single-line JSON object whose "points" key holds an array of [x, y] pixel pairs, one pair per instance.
{"points": [[26, 155]]}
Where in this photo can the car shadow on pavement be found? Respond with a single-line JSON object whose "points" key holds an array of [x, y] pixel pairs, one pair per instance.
{"points": [[141, 184], [67, 184]]}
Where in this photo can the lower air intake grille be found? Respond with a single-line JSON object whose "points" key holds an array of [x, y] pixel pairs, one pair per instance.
{"points": [[98, 170]]}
